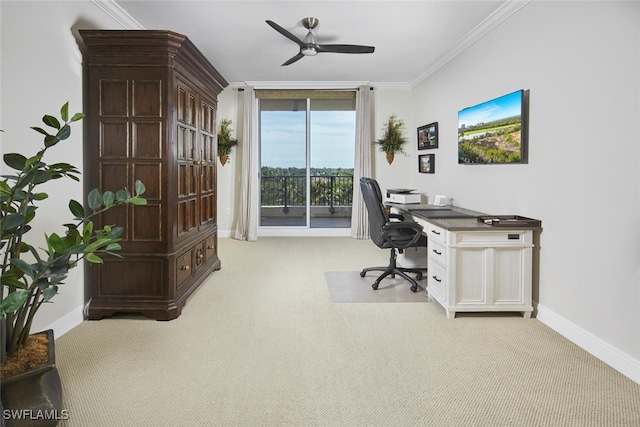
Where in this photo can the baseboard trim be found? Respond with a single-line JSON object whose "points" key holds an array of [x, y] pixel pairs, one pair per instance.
{"points": [[612, 356], [224, 234], [67, 323]]}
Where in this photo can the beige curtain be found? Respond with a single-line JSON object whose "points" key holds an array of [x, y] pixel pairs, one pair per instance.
{"points": [[247, 226], [362, 164]]}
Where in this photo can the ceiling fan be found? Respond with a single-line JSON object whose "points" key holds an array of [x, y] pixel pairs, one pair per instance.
{"points": [[309, 47]]}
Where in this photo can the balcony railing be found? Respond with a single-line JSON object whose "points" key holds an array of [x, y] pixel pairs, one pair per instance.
{"points": [[288, 191]]}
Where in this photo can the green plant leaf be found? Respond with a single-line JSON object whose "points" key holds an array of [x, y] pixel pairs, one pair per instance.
{"points": [[50, 140], [76, 209], [122, 195], [15, 161], [11, 277], [108, 198], [93, 258], [49, 293], [42, 131], [13, 220], [137, 201], [65, 132], [24, 267], [51, 121], [56, 243], [5, 188], [113, 247], [95, 199], [98, 244], [76, 117], [64, 112], [72, 236], [140, 188], [14, 301], [114, 232], [87, 232]]}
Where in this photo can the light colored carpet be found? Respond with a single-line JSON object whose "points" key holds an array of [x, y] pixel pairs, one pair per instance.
{"points": [[261, 344], [348, 286]]}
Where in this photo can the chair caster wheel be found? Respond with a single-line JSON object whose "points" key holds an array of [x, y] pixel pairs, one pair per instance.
{"points": [[419, 277], [414, 288], [362, 274], [375, 286]]}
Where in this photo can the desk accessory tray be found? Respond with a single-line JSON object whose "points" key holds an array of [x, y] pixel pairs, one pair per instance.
{"points": [[509, 221]]}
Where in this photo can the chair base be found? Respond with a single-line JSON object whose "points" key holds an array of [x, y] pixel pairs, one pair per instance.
{"points": [[392, 269]]}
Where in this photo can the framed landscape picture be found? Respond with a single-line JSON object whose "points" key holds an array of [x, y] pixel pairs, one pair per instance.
{"points": [[495, 131], [428, 136], [427, 163]]}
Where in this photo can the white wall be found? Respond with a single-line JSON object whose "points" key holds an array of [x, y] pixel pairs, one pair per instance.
{"points": [[41, 69], [581, 63], [398, 103]]}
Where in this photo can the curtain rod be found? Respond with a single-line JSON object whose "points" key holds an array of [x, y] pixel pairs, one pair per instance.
{"points": [[241, 89]]}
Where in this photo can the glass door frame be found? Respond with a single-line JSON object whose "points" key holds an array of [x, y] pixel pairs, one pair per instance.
{"points": [[297, 230]]}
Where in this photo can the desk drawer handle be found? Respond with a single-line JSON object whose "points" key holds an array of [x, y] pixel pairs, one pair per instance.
{"points": [[436, 279], [184, 267], [437, 252], [435, 232]]}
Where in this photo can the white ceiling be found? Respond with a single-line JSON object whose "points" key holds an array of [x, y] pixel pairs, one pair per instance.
{"points": [[411, 38]]}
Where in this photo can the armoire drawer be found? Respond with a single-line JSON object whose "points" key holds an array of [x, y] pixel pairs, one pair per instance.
{"points": [[211, 250], [184, 267]]}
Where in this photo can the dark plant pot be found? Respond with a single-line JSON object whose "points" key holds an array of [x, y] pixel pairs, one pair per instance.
{"points": [[33, 397], [223, 158]]}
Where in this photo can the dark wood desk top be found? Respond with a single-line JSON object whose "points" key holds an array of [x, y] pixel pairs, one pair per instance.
{"points": [[468, 222]]}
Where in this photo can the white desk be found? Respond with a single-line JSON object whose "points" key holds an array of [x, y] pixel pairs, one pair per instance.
{"points": [[472, 266]]}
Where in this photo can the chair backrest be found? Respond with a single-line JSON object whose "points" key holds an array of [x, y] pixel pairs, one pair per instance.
{"points": [[378, 216]]}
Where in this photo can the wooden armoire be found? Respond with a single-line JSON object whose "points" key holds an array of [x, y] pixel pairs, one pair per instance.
{"points": [[151, 99]]}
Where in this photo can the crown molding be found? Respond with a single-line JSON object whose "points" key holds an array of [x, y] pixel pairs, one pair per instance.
{"points": [[299, 84], [500, 15], [118, 14], [317, 85]]}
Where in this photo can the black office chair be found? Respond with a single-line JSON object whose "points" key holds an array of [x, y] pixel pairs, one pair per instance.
{"points": [[388, 234]]}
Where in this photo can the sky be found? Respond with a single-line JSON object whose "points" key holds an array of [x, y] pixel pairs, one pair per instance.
{"points": [[283, 142], [499, 108]]}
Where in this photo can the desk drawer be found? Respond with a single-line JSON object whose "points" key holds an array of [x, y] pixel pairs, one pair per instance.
{"points": [[436, 280], [493, 238], [436, 233], [437, 253]]}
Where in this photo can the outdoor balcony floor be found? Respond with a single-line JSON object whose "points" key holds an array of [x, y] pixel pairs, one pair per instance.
{"points": [[299, 221]]}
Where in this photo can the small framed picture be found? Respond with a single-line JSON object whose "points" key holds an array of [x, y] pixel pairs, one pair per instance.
{"points": [[427, 163], [428, 136]]}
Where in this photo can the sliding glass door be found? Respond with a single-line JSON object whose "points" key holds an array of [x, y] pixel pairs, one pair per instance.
{"points": [[306, 162], [283, 162]]}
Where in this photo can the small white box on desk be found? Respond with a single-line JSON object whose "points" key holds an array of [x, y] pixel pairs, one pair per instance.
{"points": [[441, 200]]}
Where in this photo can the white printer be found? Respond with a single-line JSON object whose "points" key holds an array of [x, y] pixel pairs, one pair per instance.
{"points": [[402, 196]]}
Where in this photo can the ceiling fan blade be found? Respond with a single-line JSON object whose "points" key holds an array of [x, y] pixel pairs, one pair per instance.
{"points": [[345, 48], [293, 59], [286, 33]]}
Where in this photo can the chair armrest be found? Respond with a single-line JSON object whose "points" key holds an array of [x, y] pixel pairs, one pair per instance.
{"points": [[396, 216], [401, 234]]}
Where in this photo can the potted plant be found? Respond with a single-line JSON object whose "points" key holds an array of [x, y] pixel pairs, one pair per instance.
{"points": [[225, 140], [393, 138], [30, 276]]}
